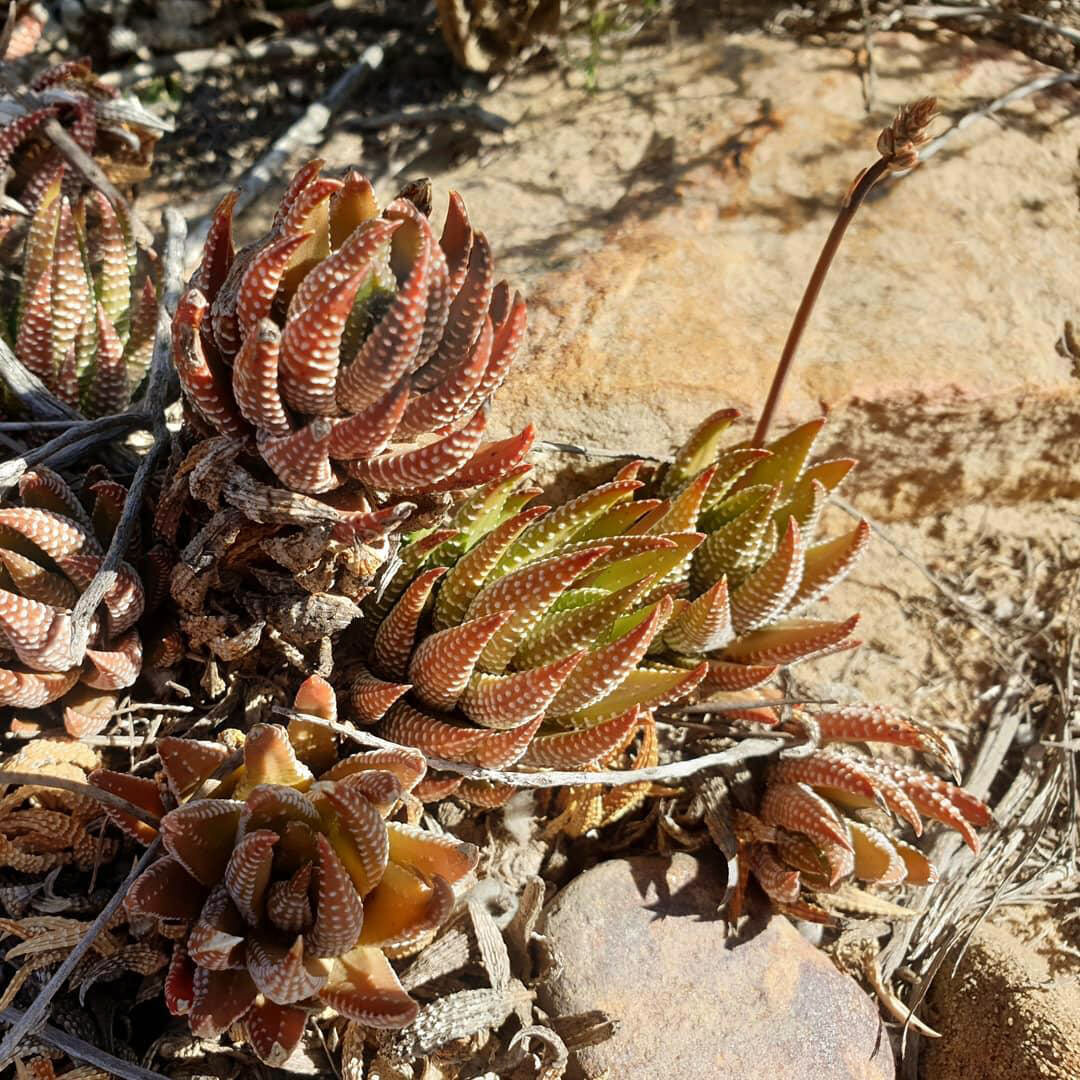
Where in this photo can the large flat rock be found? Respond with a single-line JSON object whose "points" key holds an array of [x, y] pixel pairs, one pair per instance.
{"points": [[640, 939], [664, 227]]}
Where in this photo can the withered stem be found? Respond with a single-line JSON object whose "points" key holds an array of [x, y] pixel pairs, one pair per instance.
{"points": [[62, 783], [851, 204]]}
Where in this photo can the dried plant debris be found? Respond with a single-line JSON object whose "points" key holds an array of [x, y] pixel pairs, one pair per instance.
{"points": [[488, 34], [43, 828]]}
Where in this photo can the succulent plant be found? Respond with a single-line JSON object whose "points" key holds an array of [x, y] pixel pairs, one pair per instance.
{"points": [[284, 884], [85, 318], [546, 638], [305, 359], [116, 131], [25, 34], [343, 331], [50, 549], [826, 818]]}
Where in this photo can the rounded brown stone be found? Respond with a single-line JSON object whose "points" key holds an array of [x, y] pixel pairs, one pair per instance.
{"points": [[640, 939]]}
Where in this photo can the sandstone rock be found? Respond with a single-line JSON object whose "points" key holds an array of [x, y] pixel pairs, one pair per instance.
{"points": [[1005, 1013], [639, 939], [664, 227]]}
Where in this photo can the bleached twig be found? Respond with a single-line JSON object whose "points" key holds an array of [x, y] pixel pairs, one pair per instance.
{"points": [[80, 1050], [675, 770], [1018, 93], [957, 11], [307, 131]]}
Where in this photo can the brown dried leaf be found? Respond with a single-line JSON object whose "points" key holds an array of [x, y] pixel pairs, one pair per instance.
{"points": [[455, 1017], [493, 954], [519, 930], [585, 1029], [447, 954]]}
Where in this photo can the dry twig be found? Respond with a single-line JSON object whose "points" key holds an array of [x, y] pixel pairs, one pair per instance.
{"points": [[675, 770], [106, 798], [305, 132], [1018, 93], [80, 1050]]}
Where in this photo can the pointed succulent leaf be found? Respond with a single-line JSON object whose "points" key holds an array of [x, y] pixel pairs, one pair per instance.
{"points": [[364, 987], [506, 701], [371, 697], [559, 527], [220, 999], [490, 461], [876, 858], [528, 592], [582, 747], [647, 688], [705, 625], [472, 571], [200, 836], [788, 456], [603, 670], [562, 632], [313, 742], [698, 452], [797, 807], [255, 380], [188, 763], [247, 874], [269, 758], [769, 589], [394, 641], [787, 641], [165, 891], [828, 563], [734, 549], [274, 1031]]}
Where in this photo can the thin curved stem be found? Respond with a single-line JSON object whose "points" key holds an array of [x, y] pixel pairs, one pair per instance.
{"points": [[859, 190]]}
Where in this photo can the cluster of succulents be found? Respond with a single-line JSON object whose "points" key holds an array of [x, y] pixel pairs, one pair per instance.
{"points": [[330, 506], [332, 370], [85, 317], [284, 884], [117, 132], [827, 818], [545, 638], [51, 546]]}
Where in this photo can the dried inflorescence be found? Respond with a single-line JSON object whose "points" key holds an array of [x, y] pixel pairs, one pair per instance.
{"points": [[827, 818], [51, 546], [85, 318], [546, 638], [285, 887], [346, 330], [116, 131]]}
